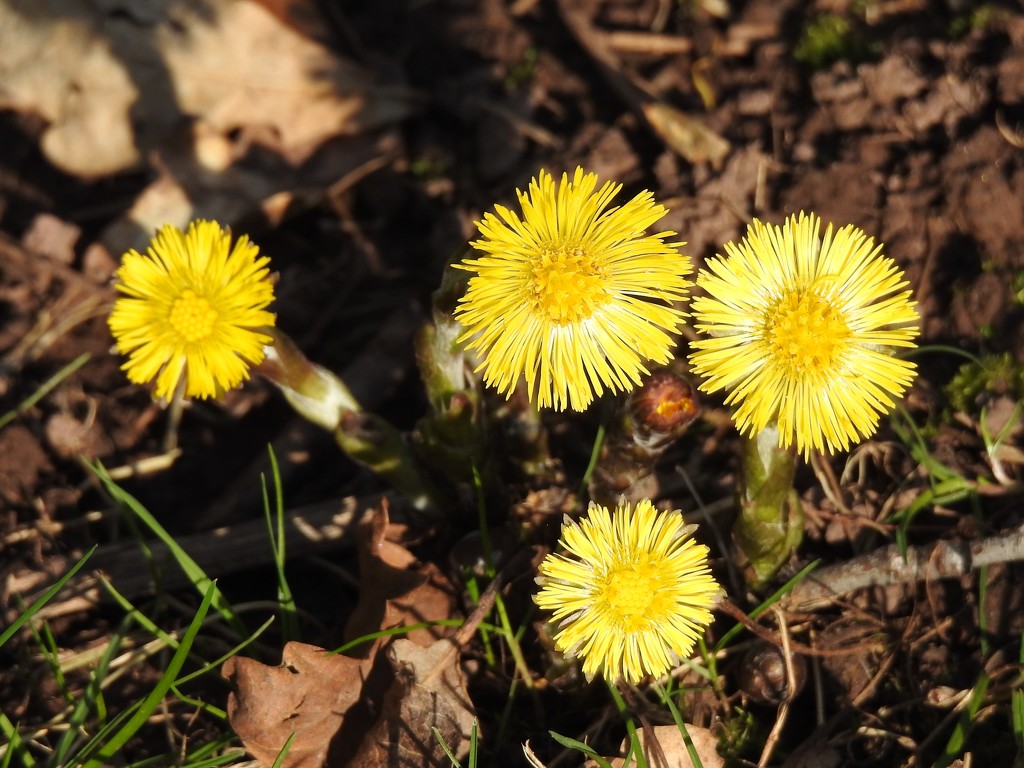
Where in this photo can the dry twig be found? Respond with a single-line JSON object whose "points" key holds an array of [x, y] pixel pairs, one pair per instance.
{"points": [[885, 566]]}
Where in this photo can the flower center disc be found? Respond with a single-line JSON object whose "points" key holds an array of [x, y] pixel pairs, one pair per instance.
{"points": [[806, 333], [566, 283], [631, 591], [192, 316]]}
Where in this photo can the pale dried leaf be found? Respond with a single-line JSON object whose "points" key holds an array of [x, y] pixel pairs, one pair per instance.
{"points": [[58, 61], [269, 74], [664, 747], [113, 79], [686, 135], [314, 694]]}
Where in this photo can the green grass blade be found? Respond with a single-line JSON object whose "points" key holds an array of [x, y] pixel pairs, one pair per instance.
{"points": [[15, 747], [190, 567], [152, 701], [289, 612], [34, 608], [784, 590], [511, 637], [473, 747], [444, 746], [209, 755], [906, 429], [595, 451], [403, 630], [51, 655], [940, 348], [284, 751], [579, 746], [103, 734], [150, 626], [1017, 706], [207, 709], [220, 660], [48, 386], [677, 718], [486, 641], [992, 444], [957, 740], [140, 618], [635, 748], [91, 698]]}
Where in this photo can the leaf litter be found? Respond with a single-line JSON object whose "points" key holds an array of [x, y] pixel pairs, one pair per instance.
{"points": [[377, 709], [918, 147]]}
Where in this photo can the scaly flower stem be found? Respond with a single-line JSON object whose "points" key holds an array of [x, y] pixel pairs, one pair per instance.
{"points": [[452, 437], [377, 445], [312, 390], [322, 397], [440, 359], [770, 522]]}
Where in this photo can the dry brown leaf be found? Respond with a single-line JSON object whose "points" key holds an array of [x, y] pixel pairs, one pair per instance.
{"points": [[664, 747], [394, 589], [686, 135], [429, 691], [314, 694], [113, 79]]}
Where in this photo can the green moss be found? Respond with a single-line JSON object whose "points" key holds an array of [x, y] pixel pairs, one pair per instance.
{"points": [[524, 71], [983, 17], [995, 374], [1018, 288], [427, 167], [828, 38], [739, 735]]}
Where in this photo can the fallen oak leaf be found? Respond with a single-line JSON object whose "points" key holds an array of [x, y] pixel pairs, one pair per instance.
{"points": [[317, 695], [326, 699], [395, 590], [428, 692]]}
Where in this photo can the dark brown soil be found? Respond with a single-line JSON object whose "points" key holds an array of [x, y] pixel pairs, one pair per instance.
{"points": [[915, 133]]}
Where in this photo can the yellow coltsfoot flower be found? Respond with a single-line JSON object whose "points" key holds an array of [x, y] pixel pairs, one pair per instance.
{"points": [[574, 297], [192, 307], [632, 592], [802, 330]]}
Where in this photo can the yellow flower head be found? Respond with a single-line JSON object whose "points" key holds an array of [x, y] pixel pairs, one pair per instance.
{"points": [[802, 330], [574, 297], [192, 306], [632, 593]]}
